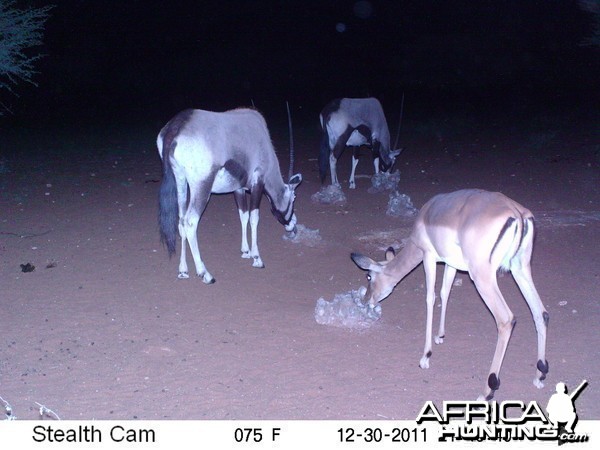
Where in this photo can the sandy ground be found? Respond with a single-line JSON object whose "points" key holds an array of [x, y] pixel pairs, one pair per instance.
{"points": [[103, 329]]}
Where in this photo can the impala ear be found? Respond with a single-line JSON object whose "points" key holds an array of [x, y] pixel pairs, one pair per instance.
{"points": [[390, 254], [364, 262], [295, 180]]}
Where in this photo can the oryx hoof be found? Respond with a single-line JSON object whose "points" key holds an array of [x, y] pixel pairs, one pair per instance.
{"points": [[207, 278], [352, 185], [246, 255], [538, 383], [183, 275], [424, 362], [439, 339], [258, 263]]}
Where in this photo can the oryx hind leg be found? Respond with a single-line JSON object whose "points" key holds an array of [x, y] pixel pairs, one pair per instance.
{"points": [[199, 196], [242, 205], [449, 274], [332, 170], [487, 285], [182, 189]]}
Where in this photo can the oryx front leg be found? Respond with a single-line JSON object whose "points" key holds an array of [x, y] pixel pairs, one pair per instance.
{"points": [[429, 263], [354, 164], [257, 261], [449, 274]]}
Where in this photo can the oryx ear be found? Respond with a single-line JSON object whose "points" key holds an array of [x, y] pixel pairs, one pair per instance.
{"points": [[394, 154], [295, 180], [364, 262], [390, 253]]}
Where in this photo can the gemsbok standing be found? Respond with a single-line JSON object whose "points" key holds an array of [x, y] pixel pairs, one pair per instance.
{"points": [[475, 231], [354, 122], [219, 152]]}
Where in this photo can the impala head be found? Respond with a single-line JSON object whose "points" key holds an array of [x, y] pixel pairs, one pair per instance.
{"points": [[380, 284], [285, 212]]}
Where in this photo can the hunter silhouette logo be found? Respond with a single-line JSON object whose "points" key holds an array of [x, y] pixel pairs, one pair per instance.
{"points": [[562, 413]]}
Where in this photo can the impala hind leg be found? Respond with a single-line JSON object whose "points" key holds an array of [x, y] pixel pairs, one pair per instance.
{"points": [[487, 285], [199, 195], [522, 276], [449, 274], [429, 264], [242, 205]]}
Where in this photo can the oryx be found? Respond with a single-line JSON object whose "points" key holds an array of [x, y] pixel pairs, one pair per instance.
{"points": [[479, 232], [219, 152], [354, 122]]}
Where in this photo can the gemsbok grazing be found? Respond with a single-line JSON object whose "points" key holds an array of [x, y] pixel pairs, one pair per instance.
{"points": [[354, 122], [475, 231], [219, 152]]}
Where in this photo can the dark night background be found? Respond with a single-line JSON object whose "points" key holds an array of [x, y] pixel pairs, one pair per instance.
{"points": [[143, 61]]}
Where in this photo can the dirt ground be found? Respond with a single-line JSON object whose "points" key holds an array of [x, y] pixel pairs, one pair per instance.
{"points": [[103, 329]]}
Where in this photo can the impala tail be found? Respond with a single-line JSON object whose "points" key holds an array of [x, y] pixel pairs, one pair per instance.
{"points": [[167, 203], [516, 234]]}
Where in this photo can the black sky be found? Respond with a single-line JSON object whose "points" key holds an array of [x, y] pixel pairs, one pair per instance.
{"points": [[146, 59]]}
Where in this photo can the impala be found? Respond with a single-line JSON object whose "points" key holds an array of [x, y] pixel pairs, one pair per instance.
{"points": [[475, 231]]}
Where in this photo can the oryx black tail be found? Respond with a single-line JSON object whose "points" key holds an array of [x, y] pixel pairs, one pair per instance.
{"points": [[168, 214], [324, 152]]}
